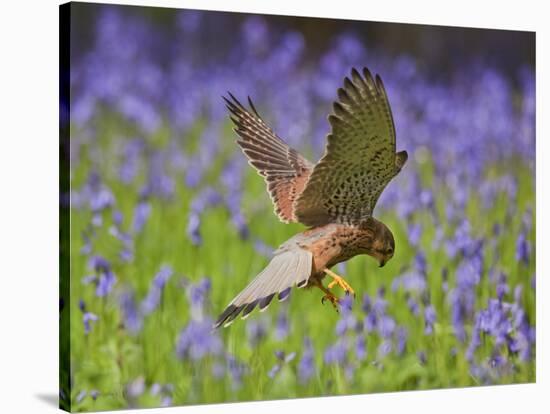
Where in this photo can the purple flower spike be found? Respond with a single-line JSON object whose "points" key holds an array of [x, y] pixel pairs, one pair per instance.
{"points": [[401, 337], [306, 367], [106, 278], [105, 284], [197, 294], [337, 353], [136, 387], [282, 326], [274, 371], [197, 341], [361, 348], [236, 371], [87, 319], [132, 318], [523, 249], [162, 276], [152, 300], [141, 214], [429, 319], [384, 348], [256, 331], [386, 326]]}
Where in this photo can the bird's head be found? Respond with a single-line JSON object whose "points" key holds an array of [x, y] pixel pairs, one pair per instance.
{"points": [[382, 243]]}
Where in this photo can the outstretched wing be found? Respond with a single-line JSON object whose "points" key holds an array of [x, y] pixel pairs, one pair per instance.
{"points": [[291, 266], [359, 158], [285, 171]]}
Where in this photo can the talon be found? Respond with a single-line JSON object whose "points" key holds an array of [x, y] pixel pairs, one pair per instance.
{"points": [[333, 299], [339, 280], [328, 295]]}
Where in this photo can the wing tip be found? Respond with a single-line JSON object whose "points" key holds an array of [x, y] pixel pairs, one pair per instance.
{"points": [[227, 316]]}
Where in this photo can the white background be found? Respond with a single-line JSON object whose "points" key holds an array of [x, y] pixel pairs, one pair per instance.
{"points": [[29, 203]]}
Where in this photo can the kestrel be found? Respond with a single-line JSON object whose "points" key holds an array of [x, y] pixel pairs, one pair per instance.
{"points": [[335, 198]]}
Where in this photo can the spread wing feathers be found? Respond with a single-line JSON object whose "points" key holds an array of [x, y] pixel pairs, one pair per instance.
{"points": [[285, 171], [359, 158], [286, 269]]}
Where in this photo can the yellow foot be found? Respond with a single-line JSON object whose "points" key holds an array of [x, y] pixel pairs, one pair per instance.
{"points": [[328, 295], [333, 299], [339, 280]]}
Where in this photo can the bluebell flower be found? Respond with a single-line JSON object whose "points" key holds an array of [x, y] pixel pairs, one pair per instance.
{"points": [[413, 305], [128, 170], [282, 360], [194, 173], [366, 304], [256, 332], [231, 178], [105, 284], [87, 318], [80, 396], [274, 371], [162, 277], [282, 326], [136, 388], [193, 228], [142, 211], [166, 401], [370, 322], [152, 300], [306, 366], [384, 348], [159, 182], [255, 33], [197, 340], [236, 371], [155, 389], [420, 263], [206, 198], [337, 353], [131, 316], [518, 291], [197, 294], [523, 249], [429, 319], [386, 326], [502, 287], [459, 309], [412, 281], [347, 321], [360, 348], [218, 370], [401, 340], [190, 20], [99, 196], [415, 233], [105, 279]]}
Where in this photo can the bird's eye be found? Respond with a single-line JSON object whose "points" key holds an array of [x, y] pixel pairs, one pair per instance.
{"points": [[390, 250]]}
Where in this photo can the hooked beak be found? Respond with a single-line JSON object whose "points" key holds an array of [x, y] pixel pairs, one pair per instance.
{"points": [[382, 263]]}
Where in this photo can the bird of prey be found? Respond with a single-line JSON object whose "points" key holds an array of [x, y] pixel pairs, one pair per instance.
{"points": [[335, 198]]}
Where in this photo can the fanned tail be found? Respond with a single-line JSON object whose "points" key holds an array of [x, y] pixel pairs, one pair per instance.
{"points": [[288, 268]]}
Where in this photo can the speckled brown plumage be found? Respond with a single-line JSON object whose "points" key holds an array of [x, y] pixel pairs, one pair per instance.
{"points": [[336, 197]]}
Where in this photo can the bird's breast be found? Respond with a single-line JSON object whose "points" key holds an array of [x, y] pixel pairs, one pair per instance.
{"points": [[332, 244]]}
